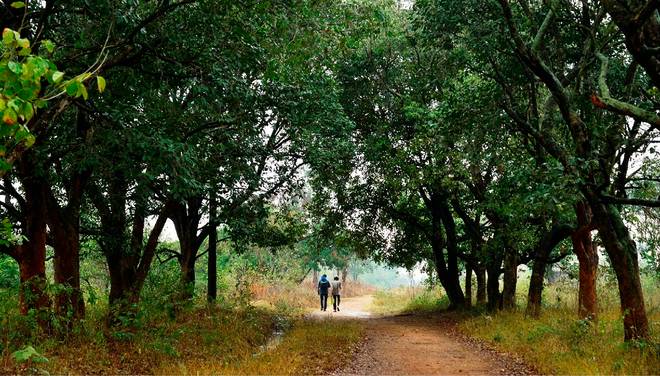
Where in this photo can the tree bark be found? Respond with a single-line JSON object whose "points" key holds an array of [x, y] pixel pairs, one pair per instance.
{"points": [[481, 284], [31, 255], [535, 294], [494, 267], [186, 217], [315, 278], [69, 303], [468, 286], [451, 285], [510, 279], [638, 21], [623, 256], [588, 263], [547, 243], [453, 282], [212, 286]]}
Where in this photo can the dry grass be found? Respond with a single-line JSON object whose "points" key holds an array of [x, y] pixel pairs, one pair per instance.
{"points": [[298, 297], [198, 334], [406, 299], [311, 347], [559, 343]]}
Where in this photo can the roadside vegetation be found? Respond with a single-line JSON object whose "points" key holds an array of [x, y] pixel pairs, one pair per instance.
{"points": [[555, 342], [256, 323]]}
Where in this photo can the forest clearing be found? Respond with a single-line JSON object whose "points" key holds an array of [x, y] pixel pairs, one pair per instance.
{"points": [[192, 186]]}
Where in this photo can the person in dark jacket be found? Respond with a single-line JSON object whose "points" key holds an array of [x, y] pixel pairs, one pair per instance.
{"points": [[324, 286]]}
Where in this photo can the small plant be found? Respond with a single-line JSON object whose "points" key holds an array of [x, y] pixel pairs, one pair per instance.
{"points": [[28, 354]]}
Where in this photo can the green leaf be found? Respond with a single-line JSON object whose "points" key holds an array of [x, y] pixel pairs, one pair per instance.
{"points": [[72, 88], [57, 76], [48, 45], [82, 90], [18, 4], [28, 353], [29, 141], [100, 83], [23, 43], [7, 35], [15, 67], [27, 111]]}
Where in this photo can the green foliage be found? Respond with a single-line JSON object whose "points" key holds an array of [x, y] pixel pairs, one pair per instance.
{"points": [[29, 81], [8, 273], [28, 354]]}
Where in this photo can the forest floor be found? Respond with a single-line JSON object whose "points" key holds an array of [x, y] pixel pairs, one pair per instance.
{"points": [[417, 344]]}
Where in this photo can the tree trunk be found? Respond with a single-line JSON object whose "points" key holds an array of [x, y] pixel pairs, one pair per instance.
{"points": [[315, 278], [64, 223], [187, 278], [481, 284], [623, 256], [212, 286], [493, 284], [344, 274], [186, 218], [536, 286], [69, 303], [451, 285], [468, 286], [642, 32], [546, 244], [510, 279], [31, 255], [450, 275], [587, 254]]}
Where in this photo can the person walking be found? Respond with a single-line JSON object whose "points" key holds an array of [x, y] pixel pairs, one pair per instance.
{"points": [[336, 294], [323, 287]]}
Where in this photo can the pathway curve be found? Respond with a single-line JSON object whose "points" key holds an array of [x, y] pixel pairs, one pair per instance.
{"points": [[418, 345]]}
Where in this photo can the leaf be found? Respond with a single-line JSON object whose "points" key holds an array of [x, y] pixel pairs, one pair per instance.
{"points": [[29, 141], [18, 4], [23, 43], [7, 35], [72, 88], [28, 353], [100, 83], [48, 45], [15, 67], [27, 111], [9, 116], [82, 90], [57, 76]]}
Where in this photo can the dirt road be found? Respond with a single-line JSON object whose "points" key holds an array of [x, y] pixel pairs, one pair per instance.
{"points": [[417, 345]]}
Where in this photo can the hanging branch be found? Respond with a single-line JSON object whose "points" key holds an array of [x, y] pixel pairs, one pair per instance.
{"points": [[605, 100]]}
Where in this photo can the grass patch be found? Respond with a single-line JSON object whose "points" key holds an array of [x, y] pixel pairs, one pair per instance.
{"points": [[310, 347], [559, 343], [407, 300], [196, 334]]}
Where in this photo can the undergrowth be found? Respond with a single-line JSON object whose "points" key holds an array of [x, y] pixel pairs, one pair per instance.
{"points": [[406, 300], [310, 347]]}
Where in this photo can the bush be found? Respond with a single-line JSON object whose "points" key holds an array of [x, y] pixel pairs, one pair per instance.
{"points": [[9, 274]]}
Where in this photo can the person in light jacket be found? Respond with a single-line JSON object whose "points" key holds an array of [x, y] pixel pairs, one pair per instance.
{"points": [[336, 294]]}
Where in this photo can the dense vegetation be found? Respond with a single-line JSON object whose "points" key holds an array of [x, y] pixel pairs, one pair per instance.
{"points": [[281, 137]]}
